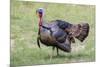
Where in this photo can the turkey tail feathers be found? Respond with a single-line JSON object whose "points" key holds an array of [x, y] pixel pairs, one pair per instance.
{"points": [[84, 31], [79, 31]]}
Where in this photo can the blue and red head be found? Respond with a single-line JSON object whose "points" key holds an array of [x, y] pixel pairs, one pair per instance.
{"points": [[40, 12]]}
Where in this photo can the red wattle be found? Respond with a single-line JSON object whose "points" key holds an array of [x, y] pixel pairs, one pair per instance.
{"points": [[40, 23]]}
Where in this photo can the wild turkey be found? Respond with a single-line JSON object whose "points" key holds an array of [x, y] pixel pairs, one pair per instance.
{"points": [[59, 33]]}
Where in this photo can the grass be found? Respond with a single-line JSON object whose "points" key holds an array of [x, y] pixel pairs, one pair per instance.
{"points": [[24, 28]]}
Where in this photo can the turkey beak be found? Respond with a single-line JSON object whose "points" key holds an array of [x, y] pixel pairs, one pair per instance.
{"points": [[37, 13]]}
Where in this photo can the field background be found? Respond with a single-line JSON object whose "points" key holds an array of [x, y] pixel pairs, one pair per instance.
{"points": [[24, 28]]}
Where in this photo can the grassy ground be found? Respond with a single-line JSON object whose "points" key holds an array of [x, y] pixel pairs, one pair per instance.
{"points": [[24, 27]]}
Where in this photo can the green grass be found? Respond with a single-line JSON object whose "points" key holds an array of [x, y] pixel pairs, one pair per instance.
{"points": [[24, 27]]}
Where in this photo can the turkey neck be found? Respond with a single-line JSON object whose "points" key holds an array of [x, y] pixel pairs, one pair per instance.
{"points": [[40, 23]]}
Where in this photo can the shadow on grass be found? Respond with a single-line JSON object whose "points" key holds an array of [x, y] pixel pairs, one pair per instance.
{"points": [[69, 56], [56, 56], [59, 56], [78, 56]]}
